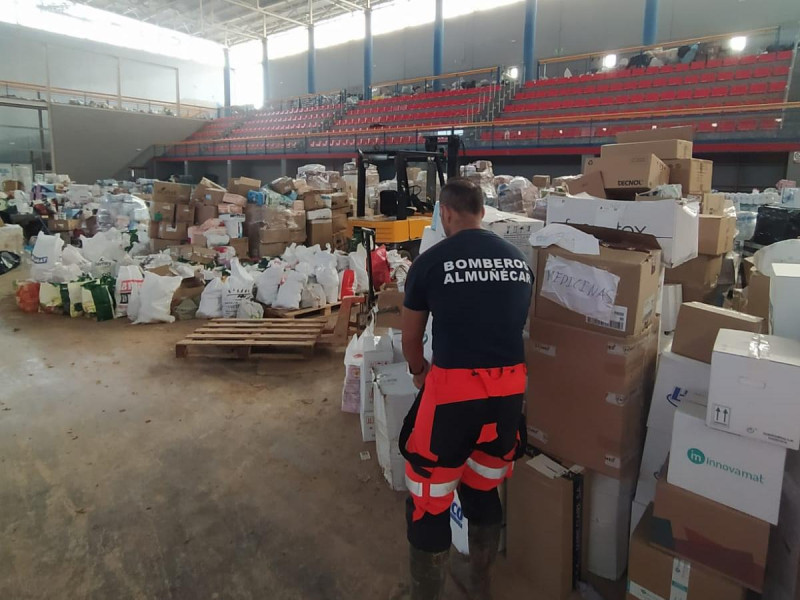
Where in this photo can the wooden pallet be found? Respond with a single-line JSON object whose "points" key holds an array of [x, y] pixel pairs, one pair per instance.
{"points": [[323, 311], [253, 338]]}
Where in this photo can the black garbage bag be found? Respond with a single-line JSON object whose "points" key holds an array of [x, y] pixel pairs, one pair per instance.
{"points": [[8, 261]]}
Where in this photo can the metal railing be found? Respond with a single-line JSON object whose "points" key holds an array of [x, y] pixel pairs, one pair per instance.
{"points": [[27, 91]]}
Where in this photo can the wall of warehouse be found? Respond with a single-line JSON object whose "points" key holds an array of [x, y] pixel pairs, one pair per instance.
{"points": [[95, 143], [79, 64], [485, 39]]}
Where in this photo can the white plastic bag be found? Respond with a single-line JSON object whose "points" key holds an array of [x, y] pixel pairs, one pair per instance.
{"points": [[291, 291], [313, 296], [128, 278], [351, 390], [107, 245], [72, 256], [211, 300], [46, 253], [238, 287], [267, 284], [358, 262], [326, 275], [250, 310], [155, 297]]}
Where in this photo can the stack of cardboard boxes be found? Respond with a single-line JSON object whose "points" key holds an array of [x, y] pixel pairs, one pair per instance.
{"points": [[327, 213], [722, 417], [272, 229], [171, 214], [591, 363]]}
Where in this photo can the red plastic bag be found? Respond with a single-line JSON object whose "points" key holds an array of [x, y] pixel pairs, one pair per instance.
{"points": [[348, 285], [380, 268], [27, 295]]}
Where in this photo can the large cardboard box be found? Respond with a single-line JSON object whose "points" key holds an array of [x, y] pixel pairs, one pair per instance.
{"points": [[197, 254], [723, 539], [176, 193], [755, 387], [338, 200], [693, 174], [713, 204], [203, 212], [610, 501], [269, 235], [597, 419], [758, 290], [591, 183], [184, 213], [545, 510], [272, 249], [319, 232], [624, 278], [162, 212], [389, 306], [174, 232], [699, 273], [241, 246], [683, 132], [394, 394], [515, 229], [242, 185], [655, 574], [629, 173], [738, 472], [541, 181], [699, 324], [663, 149], [784, 296], [679, 379], [314, 200], [377, 351], [674, 224], [339, 221], [157, 245], [716, 234]]}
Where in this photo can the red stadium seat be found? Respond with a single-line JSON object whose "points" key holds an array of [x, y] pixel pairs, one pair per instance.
{"points": [[748, 60], [714, 63], [678, 80], [709, 77], [701, 93], [777, 86], [691, 79], [746, 125], [780, 70], [725, 76], [784, 55], [720, 91], [736, 90], [743, 74], [730, 61], [760, 72], [765, 58], [757, 88]]}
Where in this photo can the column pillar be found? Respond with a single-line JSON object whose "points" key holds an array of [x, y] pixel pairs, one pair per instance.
{"points": [[529, 41], [650, 29], [226, 78], [438, 44], [265, 72], [312, 60], [368, 53]]}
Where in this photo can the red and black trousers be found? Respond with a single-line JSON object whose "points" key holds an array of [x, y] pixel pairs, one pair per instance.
{"points": [[463, 432]]}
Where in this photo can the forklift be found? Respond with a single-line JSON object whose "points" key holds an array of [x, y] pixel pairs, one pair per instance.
{"points": [[406, 212]]}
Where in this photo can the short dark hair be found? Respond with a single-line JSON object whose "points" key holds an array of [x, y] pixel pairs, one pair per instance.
{"points": [[462, 195]]}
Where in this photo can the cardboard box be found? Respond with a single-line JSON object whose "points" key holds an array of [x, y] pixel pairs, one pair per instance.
{"points": [[203, 212], [699, 324], [784, 295], [654, 573], [713, 204], [394, 395], [629, 173], [313, 200], [377, 351], [722, 539], [758, 290], [674, 224], [339, 200], [693, 174], [701, 273], [205, 187], [683, 132], [716, 234], [242, 185], [663, 149], [545, 510], [597, 419], [341, 241], [268, 235], [590, 183], [197, 254], [389, 304], [241, 245], [319, 232], [608, 524], [541, 181], [168, 231], [67, 225], [176, 193], [515, 229], [634, 259], [339, 221], [755, 384], [738, 472], [10, 185], [679, 379], [157, 245], [282, 185], [654, 457], [272, 249], [782, 581], [298, 236], [184, 213], [162, 211]]}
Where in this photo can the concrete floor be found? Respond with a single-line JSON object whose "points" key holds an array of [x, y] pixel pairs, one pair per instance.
{"points": [[126, 473]]}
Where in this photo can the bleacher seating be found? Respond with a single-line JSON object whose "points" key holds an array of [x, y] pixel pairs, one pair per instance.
{"points": [[267, 123]]}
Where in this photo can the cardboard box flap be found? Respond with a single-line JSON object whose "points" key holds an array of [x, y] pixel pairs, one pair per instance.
{"points": [[618, 239]]}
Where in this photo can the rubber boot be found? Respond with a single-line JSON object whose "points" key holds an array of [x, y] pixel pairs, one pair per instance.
{"points": [[428, 574], [476, 580]]}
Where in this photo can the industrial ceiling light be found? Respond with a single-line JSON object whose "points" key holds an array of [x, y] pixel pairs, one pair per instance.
{"points": [[513, 73], [715, 124], [737, 43], [778, 120], [609, 61], [654, 127]]}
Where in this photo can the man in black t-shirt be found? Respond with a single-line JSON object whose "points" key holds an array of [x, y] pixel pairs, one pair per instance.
{"points": [[466, 426]]}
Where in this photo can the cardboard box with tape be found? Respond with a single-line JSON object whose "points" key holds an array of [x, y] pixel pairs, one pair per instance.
{"points": [[176, 193], [663, 149], [716, 234], [693, 175], [699, 324], [626, 175]]}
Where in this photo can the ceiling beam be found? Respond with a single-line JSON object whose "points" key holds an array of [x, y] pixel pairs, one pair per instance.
{"points": [[257, 9], [346, 5]]}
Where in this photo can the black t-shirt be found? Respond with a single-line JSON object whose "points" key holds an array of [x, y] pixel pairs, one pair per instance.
{"points": [[478, 288]]}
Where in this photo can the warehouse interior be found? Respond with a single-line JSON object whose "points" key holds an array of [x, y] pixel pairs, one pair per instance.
{"points": [[221, 223]]}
